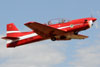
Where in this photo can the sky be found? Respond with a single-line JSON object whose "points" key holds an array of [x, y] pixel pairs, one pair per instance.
{"points": [[74, 53]]}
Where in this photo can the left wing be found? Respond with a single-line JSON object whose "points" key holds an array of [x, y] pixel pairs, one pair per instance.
{"points": [[44, 30]]}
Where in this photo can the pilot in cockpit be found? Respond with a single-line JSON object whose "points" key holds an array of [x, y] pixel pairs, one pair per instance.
{"points": [[60, 21], [63, 21], [49, 23]]}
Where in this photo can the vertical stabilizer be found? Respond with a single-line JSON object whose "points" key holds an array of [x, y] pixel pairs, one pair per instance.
{"points": [[12, 30]]}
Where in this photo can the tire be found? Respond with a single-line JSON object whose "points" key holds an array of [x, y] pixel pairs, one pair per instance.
{"points": [[53, 38], [62, 37], [76, 33]]}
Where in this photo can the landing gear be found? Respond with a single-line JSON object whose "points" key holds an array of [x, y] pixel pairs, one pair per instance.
{"points": [[62, 37], [76, 33], [53, 38]]}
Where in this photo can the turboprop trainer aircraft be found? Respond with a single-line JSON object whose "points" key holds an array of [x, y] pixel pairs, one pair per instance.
{"points": [[59, 31]]}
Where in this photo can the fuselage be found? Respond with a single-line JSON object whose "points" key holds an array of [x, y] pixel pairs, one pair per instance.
{"points": [[73, 25]]}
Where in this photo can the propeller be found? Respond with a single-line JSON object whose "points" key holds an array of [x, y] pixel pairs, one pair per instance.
{"points": [[92, 15], [91, 23], [96, 25]]}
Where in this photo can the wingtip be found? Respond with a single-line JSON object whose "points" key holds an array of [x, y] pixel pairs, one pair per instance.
{"points": [[29, 23]]}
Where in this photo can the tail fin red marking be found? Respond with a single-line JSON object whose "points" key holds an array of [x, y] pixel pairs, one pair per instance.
{"points": [[12, 30], [11, 27]]}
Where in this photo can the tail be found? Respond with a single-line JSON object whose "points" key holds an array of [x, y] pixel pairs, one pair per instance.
{"points": [[13, 35], [11, 27], [12, 32]]}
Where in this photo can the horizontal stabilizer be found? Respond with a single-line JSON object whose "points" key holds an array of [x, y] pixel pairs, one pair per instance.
{"points": [[10, 38]]}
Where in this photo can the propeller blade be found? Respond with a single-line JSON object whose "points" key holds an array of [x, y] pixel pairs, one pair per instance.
{"points": [[96, 24]]}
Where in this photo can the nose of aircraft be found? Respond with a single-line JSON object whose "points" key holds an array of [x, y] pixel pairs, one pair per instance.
{"points": [[94, 19], [91, 22]]}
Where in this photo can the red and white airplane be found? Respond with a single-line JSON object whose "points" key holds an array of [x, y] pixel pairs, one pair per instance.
{"points": [[60, 31]]}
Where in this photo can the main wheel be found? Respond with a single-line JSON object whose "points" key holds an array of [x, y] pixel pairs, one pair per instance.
{"points": [[76, 33], [53, 38], [62, 37]]}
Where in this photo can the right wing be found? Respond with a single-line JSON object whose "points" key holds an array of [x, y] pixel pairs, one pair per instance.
{"points": [[73, 36]]}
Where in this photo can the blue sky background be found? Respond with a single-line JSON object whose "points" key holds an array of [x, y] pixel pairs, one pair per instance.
{"points": [[22, 11]]}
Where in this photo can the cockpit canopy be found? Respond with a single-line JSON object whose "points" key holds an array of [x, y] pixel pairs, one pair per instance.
{"points": [[57, 21]]}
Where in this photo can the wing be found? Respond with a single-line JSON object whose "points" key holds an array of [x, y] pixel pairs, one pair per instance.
{"points": [[47, 31], [73, 36], [44, 30]]}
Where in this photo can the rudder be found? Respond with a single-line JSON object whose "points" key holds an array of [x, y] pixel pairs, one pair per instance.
{"points": [[11, 27], [12, 30]]}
